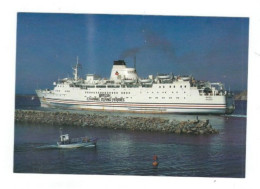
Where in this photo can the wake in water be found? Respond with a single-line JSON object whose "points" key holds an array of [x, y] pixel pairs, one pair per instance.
{"points": [[235, 115], [49, 146], [55, 146]]}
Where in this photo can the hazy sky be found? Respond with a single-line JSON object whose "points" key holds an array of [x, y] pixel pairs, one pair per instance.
{"points": [[209, 48]]}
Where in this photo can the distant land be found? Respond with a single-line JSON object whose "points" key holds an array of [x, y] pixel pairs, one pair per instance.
{"points": [[241, 95]]}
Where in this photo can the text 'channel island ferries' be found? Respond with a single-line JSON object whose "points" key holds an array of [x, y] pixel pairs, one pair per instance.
{"points": [[125, 91]]}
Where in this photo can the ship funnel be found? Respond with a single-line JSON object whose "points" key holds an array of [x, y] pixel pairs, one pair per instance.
{"points": [[120, 71]]}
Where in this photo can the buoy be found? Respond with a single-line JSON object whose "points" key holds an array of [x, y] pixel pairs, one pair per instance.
{"points": [[155, 163]]}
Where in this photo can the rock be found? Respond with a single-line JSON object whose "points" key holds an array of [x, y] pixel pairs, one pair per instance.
{"points": [[115, 122], [178, 131], [201, 132]]}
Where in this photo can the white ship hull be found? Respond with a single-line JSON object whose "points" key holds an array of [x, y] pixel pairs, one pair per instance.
{"points": [[187, 108]]}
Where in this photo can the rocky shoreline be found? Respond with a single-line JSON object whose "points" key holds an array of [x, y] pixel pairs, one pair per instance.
{"points": [[155, 124]]}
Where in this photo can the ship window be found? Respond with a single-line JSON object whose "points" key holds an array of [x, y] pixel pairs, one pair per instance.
{"points": [[170, 86], [177, 97], [181, 86], [163, 86], [163, 97], [170, 97], [185, 86], [156, 97], [159, 86], [173, 86]]}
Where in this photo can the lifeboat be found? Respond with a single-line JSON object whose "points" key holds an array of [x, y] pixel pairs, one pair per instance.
{"points": [[185, 78], [146, 80], [164, 76]]}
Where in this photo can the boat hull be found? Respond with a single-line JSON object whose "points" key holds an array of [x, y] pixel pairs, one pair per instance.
{"points": [[76, 145], [182, 108]]}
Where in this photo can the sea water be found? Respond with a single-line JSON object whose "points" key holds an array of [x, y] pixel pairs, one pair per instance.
{"points": [[122, 152]]}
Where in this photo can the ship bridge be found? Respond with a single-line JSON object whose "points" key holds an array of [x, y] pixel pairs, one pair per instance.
{"points": [[120, 71]]}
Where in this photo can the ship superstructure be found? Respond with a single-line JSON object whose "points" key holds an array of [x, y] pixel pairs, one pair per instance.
{"points": [[126, 91]]}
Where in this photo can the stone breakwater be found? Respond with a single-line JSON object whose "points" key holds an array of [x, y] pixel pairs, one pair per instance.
{"points": [[195, 127]]}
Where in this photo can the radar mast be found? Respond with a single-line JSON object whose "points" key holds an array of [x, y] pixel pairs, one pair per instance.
{"points": [[76, 70]]}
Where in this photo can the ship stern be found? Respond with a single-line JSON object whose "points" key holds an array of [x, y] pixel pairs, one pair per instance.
{"points": [[230, 103]]}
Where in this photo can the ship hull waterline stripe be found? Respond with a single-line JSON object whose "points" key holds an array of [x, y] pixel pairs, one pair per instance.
{"points": [[87, 101], [132, 105]]}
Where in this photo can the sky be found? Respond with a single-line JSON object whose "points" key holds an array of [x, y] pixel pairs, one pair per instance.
{"points": [[209, 48]]}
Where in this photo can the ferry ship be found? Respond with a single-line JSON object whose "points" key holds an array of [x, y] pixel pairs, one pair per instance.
{"points": [[126, 91]]}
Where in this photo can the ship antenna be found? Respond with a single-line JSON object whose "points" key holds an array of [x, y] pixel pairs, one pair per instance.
{"points": [[60, 131], [76, 70]]}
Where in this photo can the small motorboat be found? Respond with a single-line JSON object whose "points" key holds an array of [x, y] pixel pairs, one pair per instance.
{"points": [[67, 142]]}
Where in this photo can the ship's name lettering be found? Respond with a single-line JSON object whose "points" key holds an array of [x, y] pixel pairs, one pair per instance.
{"points": [[107, 99]]}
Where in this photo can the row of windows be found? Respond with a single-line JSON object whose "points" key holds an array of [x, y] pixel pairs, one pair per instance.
{"points": [[97, 97], [164, 97], [165, 92], [173, 86], [60, 85], [88, 92], [104, 86], [105, 92]]}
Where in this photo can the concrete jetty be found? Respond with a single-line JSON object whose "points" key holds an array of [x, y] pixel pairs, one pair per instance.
{"points": [[153, 124]]}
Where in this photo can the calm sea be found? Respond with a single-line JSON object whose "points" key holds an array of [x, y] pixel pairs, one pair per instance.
{"points": [[120, 152]]}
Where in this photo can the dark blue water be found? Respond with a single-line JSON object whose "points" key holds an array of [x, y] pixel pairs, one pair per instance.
{"points": [[122, 152]]}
